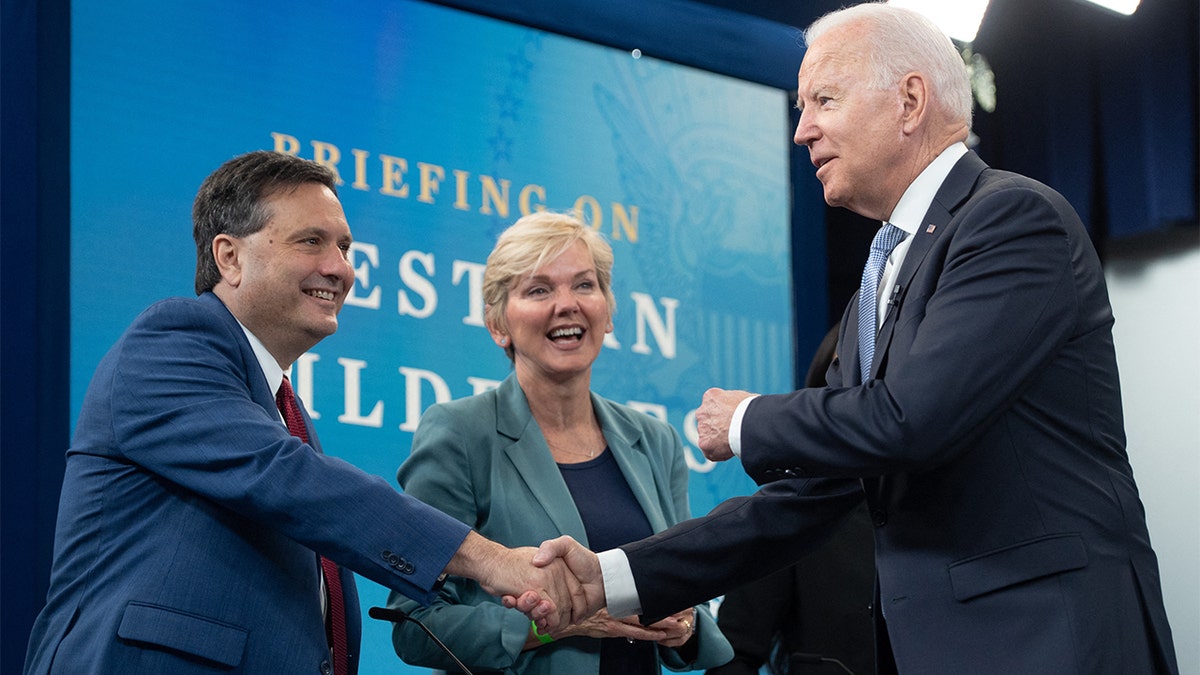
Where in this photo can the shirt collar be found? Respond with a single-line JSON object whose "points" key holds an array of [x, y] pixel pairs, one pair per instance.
{"points": [[920, 193], [270, 367]]}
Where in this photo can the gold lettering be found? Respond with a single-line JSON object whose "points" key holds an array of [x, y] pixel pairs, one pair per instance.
{"points": [[524, 199], [327, 155], [494, 195], [432, 176], [589, 211], [622, 221], [288, 145], [461, 202], [360, 169], [393, 176]]}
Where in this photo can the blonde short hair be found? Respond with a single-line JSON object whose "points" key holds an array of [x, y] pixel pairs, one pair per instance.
{"points": [[531, 242]]}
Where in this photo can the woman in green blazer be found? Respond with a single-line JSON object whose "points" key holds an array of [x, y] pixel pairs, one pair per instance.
{"points": [[542, 456]]}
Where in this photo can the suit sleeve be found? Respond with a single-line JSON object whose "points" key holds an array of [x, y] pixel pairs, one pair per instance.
{"points": [[182, 409], [742, 539], [994, 306]]}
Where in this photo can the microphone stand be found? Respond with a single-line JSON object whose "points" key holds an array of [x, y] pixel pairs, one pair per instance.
{"points": [[397, 616], [818, 659]]}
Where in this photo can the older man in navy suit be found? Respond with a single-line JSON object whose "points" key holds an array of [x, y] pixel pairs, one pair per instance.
{"points": [[200, 528], [974, 404]]}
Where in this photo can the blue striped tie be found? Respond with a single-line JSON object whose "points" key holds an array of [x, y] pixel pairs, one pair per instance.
{"points": [[868, 295]]}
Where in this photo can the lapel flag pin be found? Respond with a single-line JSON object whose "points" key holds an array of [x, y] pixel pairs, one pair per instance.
{"points": [[930, 229]]}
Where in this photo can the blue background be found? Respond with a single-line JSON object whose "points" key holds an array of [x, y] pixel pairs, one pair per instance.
{"points": [[162, 94]]}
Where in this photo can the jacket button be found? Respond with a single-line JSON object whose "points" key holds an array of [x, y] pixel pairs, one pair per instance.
{"points": [[879, 517], [326, 668]]}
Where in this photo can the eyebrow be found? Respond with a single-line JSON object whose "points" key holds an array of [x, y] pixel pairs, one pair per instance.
{"points": [[323, 231], [544, 277]]}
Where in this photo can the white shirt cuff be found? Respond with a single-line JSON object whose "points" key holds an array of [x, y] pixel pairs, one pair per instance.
{"points": [[620, 592], [735, 425]]}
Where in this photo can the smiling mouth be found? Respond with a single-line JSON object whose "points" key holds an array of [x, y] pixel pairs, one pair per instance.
{"points": [[322, 295], [572, 334]]}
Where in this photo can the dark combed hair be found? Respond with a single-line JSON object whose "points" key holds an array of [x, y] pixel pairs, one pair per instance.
{"points": [[233, 201]]}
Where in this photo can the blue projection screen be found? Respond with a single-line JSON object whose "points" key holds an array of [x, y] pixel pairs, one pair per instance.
{"points": [[444, 127]]}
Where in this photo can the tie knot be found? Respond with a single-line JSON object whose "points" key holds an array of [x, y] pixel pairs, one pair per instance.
{"points": [[285, 395], [886, 239]]}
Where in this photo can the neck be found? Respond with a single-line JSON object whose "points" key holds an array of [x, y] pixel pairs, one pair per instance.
{"points": [[558, 405], [563, 411]]}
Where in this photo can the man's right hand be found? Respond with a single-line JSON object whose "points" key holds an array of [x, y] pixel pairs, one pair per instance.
{"points": [[548, 593], [581, 562]]}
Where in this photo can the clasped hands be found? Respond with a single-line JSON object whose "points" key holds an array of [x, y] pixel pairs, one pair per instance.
{"points": [[578, 570]]}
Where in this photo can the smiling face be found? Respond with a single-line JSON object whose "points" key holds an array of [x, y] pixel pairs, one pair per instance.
{"points": [[854, 132], [286, 283], [556, 318]]}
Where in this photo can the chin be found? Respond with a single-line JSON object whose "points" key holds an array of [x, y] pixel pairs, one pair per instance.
{"points": [[324, 329]]}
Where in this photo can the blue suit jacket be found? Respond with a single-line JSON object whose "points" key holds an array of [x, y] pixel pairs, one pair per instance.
{"points": [[1009, 534], [190, 518], [484, 460]]}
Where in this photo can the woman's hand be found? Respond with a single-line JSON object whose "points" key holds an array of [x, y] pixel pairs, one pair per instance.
{"points": [[677, 628], [601, 625]]}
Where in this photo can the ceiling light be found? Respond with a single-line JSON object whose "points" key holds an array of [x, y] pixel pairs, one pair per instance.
{"points": [[1125, 7], [960, 19]]}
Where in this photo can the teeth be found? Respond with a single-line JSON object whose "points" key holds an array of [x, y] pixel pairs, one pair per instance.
{"points": [[323, 295], [565, 332]]}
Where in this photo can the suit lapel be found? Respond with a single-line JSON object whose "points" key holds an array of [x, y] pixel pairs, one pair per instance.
{"points": [[953, 192], [530, 456]]}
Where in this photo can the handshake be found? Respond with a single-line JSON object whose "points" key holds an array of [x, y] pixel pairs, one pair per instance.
{"points": [[555, 585]]}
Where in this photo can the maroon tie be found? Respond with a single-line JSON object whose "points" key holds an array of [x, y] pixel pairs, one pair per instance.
{"points": [[286, 400]]}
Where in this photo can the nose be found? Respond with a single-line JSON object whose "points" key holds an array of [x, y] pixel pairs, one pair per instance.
{"points": [[806, 130], [565, 301], [335, 265]]}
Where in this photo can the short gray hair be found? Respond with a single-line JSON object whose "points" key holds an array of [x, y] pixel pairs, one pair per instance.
{"points": [[903, 41]]}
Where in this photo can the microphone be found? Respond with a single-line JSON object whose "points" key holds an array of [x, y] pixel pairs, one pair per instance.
{"points": [[801, 657], [894, 300], [397, 616]]}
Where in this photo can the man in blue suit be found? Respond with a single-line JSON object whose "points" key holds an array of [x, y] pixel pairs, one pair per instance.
{"points": [[983, 428], [191, 518]]}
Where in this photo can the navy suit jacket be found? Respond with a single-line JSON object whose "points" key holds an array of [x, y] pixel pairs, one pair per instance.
{"points": [[483, 460], [190, 519], [990, 448]]}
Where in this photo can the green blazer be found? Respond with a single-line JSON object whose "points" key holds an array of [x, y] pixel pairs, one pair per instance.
{"points": [[484, 461]]}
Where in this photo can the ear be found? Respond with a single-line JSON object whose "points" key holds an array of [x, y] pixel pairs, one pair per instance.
{"points": [[914, 99], [498, 336], [227, 252]]}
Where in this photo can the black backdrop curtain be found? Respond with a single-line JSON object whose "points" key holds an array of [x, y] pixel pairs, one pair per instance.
{"points": [[1101, 107]]}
